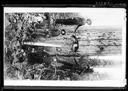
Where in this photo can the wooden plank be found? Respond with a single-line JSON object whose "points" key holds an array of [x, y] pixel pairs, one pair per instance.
{"points": [[90, 40]]}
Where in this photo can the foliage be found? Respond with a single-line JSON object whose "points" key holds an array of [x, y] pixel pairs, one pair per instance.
{"points": [[20, 60]]}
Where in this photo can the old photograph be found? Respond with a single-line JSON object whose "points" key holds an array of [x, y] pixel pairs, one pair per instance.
{"points": [[64, 46]]}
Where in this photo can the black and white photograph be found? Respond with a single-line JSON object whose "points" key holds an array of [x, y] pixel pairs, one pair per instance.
{"points": [[83, 47]]}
